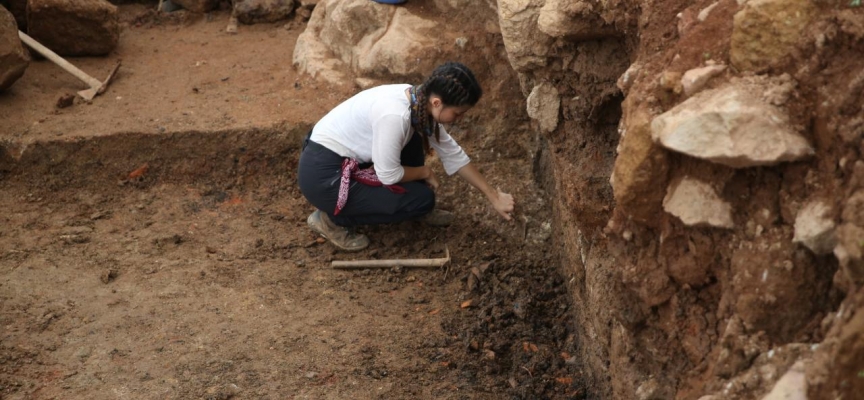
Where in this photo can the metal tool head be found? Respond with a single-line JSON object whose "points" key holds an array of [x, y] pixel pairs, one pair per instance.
{"points": [[89, 94]]}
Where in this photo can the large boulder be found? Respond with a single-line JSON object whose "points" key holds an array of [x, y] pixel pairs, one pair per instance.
{"points": [[367, 38], [527, 46], [13, 59], [732, 126], [198, 6], [575, 20], [767, 31], [74, 27], [257, 11]]}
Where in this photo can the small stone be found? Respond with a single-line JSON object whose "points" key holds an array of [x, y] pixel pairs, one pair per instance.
{"points": [[814, 227], [65, 100], [108, 275], [697, 204]]}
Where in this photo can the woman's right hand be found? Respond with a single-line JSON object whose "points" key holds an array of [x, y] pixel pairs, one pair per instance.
{"points": [[502, 203]]}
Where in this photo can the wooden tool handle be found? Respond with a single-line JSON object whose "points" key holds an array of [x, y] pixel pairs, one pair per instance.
{"points": [[89, 80], [428, 262], [416, 262]]}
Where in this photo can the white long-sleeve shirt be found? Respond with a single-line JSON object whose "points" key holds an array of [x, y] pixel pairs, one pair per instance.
{"points": [[374, 126]]}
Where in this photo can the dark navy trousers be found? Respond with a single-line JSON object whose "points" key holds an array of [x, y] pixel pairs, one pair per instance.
{"points": [[319, 174]]}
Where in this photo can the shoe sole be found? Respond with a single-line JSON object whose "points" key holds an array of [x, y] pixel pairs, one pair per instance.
{"points": [[311, 224]]}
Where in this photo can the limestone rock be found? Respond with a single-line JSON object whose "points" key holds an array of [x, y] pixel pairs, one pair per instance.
{"points": [[526, 45], [695, 79], [575, 20], [13, 58], [406, 33], [730, 126], [257, 11], [74, 27], [791, 386], [543, 105], [697, 204], [366, 37], [312, 56], [625, 81], [641, 165], [198, 6], [766, 31], [814, 228]]}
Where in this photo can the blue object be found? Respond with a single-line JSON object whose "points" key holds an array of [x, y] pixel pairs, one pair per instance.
{"points": [[390, 1]]}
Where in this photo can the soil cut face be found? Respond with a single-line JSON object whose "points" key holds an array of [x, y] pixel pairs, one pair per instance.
{"points": [[153, 244]]}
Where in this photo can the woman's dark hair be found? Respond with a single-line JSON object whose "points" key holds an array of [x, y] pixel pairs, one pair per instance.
{"points": [[455, 84]]}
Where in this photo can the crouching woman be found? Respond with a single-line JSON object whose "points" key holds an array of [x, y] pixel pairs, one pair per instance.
{"points": [[364, 162]]}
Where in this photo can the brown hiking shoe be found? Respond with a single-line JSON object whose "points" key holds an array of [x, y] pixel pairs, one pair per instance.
{"points": [[439, 218], [341, 237]]}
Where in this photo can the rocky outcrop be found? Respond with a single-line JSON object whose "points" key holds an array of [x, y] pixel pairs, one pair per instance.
{"points": [[732, 126], [74, 27], [766, 32], [13, 58], [696, 203], [258, 11]]}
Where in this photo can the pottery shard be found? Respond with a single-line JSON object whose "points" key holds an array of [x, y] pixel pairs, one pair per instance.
{"points": [[258, 11], [543, 105], [697, 204], [74, 27], [730, 126], [198, 6], [13, 59], [764, 32], [814, 228]]}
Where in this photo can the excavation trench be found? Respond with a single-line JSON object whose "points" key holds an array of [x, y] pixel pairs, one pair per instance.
{"points": [[179, 265]]}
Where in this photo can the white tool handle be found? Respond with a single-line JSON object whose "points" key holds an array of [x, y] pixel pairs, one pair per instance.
{"points": [[89, 80]]}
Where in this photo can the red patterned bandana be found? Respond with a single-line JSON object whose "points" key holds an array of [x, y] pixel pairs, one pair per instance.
{"points": [[365, 176]]}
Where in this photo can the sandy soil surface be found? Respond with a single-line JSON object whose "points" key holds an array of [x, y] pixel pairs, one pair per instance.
{"points": [[154, 245]]}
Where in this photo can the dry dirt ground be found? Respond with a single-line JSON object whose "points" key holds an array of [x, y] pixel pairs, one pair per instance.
{"points": [[153, 244]]}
